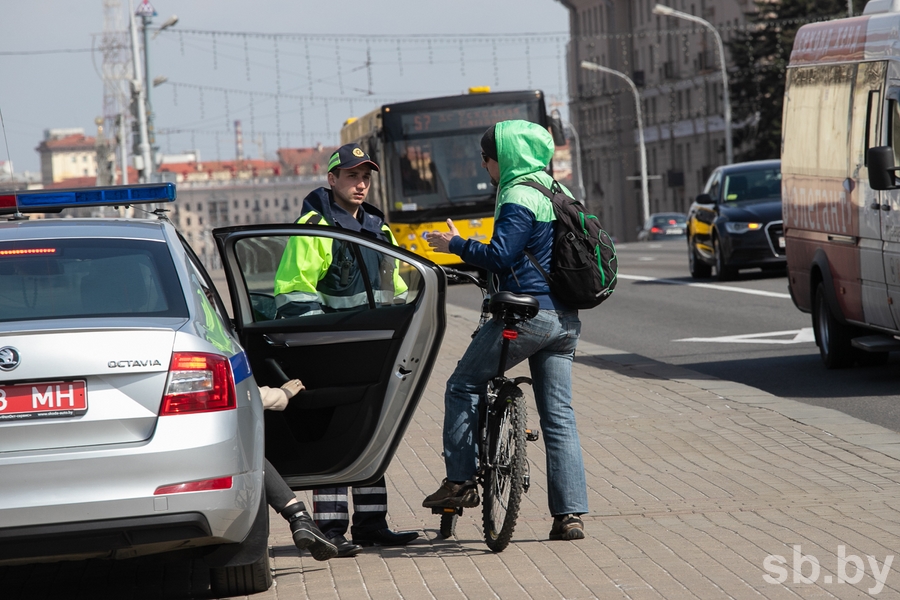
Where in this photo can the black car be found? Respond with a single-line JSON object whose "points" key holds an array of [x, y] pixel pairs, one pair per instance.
{"points": [[663, 226], [736, 222]]}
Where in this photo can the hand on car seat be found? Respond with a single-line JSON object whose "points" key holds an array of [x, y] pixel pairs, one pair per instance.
{"points": [[292, 387]]}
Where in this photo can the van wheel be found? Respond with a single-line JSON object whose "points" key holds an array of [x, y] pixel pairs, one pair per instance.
{"points": [[723, 271], [698, 268], [832, 337]]}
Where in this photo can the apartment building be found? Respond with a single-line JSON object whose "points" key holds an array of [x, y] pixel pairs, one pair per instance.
{"points": [[675, 65]]}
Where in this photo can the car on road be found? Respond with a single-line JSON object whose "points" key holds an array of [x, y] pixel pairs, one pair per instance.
{"points": [[130, 415], [663, 226], [736, 223]]}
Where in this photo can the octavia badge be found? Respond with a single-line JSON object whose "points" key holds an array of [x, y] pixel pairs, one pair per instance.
{"points": [[9, 358]]}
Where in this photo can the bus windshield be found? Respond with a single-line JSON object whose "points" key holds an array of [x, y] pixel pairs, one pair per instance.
{"points": [[438, 171], [432, 151]]}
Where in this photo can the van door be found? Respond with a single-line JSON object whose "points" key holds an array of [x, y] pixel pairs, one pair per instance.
{"points": [[890, 218], [365, 355]]}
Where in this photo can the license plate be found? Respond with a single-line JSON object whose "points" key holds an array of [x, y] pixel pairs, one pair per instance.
{"points": [[780, 241], [674, 231], [42, 400]]}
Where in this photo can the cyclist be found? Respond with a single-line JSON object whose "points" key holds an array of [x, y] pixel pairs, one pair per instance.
{"points": [[514, 152]]}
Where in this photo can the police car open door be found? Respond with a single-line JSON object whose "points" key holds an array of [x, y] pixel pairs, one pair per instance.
{"points": [[360, 322]]}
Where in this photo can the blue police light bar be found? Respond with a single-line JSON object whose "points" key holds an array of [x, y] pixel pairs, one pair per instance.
{"points": [[36, 201]]}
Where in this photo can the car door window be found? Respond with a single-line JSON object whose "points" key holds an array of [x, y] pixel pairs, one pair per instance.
{"points": [[306, 276], [713, 186]]}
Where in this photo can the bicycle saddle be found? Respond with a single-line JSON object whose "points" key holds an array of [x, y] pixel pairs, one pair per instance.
{"points": [[520, 304]]}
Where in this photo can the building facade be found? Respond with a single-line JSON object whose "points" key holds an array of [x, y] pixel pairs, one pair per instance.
{"points": [[67, 154], [675, 65], [204, 205]]}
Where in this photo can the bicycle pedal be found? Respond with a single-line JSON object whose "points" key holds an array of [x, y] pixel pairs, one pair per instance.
{"points": [[532, 435]]}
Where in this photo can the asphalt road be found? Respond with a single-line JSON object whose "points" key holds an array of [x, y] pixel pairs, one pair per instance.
{"points": [[746, 330]]}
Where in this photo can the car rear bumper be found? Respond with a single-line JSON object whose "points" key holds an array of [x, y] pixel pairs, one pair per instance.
{"points": [[109, 490], [100, 538]]}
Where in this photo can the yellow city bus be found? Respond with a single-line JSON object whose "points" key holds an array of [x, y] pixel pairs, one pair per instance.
{"points": [[430, 157]]}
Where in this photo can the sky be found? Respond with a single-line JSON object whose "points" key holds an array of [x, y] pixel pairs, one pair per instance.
{"points": [[292, 71]]}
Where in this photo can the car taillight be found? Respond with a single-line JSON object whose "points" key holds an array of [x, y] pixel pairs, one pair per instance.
{"points": [[205, 485], [655, 229], [198, 383]]}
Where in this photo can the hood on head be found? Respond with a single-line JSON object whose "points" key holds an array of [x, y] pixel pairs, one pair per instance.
{"points": [[523, 147]]}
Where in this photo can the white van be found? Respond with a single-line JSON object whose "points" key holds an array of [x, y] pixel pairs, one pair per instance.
{"points": [[841, 206]]}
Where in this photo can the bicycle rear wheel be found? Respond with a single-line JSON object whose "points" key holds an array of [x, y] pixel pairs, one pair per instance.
{"points": [[504, 476]]}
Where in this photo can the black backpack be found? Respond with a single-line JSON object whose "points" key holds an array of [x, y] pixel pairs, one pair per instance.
{"points": [[585, 268]]}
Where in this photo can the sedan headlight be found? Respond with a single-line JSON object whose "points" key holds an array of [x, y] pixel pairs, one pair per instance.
{"points": [[742, 227]]}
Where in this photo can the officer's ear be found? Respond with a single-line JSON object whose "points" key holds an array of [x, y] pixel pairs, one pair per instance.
{"points": [[333, 177]]}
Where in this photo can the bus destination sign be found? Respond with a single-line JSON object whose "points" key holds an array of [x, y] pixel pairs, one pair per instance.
{"points": [[439, 121]]}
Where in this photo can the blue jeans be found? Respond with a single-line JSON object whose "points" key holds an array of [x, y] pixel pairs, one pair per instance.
{"points": [[548, 342]]}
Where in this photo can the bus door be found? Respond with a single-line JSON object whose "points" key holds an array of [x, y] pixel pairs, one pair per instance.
{"points": [[889, 212]]}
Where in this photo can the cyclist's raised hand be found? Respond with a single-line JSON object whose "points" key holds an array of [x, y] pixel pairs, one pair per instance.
{"points": [[440, 240]]}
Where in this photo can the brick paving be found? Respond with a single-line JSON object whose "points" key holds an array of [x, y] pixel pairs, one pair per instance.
{"points": [[693, 483]]}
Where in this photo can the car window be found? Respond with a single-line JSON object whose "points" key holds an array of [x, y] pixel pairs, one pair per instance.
{"points": [[762, 184], [95, 277], [712, 186], [304, 276], [662, 220]]}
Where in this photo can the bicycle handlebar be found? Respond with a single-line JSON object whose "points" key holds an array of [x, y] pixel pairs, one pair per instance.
{"points": [[461, 276]]}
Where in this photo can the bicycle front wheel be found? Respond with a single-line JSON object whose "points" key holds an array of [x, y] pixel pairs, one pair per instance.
{"points": [[504, 476]]}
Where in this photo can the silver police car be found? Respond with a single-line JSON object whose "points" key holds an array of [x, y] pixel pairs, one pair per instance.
{"points": [[130, 417]]}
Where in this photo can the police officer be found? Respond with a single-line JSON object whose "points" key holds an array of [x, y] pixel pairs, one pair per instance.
{"points": [[319, 274]]}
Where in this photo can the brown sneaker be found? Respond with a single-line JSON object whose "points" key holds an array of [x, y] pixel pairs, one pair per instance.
{"points": [[453, 495], [567, 527]]}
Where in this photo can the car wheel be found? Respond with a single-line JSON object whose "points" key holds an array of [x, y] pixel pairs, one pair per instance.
{"points": [[241, 580], [698, 268], [832, 337], [723, 271]]}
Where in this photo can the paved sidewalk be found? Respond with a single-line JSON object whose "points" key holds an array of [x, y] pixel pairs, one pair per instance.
{"points": [[697, 487]]}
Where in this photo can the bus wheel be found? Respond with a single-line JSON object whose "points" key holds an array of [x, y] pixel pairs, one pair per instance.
{"points": [[832, 337]]}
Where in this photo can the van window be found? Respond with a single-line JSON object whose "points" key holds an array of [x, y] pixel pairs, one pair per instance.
{"points": [[817, 111], [894, 128]]}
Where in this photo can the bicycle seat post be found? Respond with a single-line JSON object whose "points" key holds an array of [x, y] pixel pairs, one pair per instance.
{"points": [[509, 333]]}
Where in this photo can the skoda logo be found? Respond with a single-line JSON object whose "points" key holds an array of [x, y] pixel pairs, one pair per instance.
{"points": [[9, 358]]}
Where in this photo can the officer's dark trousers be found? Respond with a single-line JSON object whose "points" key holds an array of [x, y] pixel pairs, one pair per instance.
{"points": [[330, 509]]}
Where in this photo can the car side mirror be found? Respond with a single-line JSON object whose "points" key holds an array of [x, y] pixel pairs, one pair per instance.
{"points": [[880, 161], [705, 199]]}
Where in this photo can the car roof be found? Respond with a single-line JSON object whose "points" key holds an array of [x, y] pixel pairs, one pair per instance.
{"points": [[149, 229], [751, 166]]}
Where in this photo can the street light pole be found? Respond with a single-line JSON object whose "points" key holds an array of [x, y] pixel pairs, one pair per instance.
{"points": [[660, 9], [645, 193], [140, 90]]}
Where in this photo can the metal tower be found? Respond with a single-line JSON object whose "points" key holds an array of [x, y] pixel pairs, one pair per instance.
{"points": [[116, 72]]}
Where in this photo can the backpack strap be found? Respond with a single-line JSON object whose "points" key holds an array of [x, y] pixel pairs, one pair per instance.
{"points": [[549, 193]]}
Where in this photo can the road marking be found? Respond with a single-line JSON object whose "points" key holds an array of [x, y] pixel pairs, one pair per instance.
{"points": [[800, 336], [711, 286]]}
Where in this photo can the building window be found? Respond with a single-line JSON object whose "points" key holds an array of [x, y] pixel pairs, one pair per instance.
{"points": [[235, 203], [187, 222], [246, 203], [275, 202], [187, 207], [266, 202], [199, 207], [199, 220]]}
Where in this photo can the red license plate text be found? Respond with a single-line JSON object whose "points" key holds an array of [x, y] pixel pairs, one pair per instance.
{"points": [[43, 400]]}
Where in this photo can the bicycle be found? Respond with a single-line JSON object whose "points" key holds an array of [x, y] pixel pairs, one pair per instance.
{"points": [[503, 470]]}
